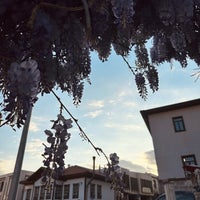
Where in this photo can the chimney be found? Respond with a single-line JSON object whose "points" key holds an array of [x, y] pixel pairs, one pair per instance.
{"points": [[93, 164]]}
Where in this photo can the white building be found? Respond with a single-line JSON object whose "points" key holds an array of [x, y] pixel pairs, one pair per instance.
{"points": [[87, 184], [5, 183], [76, 183], [175, 131]]}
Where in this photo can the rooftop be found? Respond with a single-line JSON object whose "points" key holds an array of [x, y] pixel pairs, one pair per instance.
{"points": [[146, 113], [69, 173]]}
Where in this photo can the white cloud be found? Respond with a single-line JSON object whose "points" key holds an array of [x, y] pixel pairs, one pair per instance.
{"points": [[125, 92], [122, 93], [142, 162], [97, 104], [130, 104], [124, 127], [149, 160], [132, 166], [94, 114], [150, 157], [122, 96], [34, 127], [37, 122], [7, 165], [35, 147]]}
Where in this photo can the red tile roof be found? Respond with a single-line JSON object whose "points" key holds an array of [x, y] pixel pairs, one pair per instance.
{"points": [[69, 173]]}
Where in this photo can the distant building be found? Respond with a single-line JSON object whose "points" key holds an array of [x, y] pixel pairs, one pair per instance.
{"points": [[5, 183], [87, 184], [175, 131], [140, 186]]}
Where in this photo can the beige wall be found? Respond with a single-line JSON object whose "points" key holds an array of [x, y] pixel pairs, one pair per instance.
{"points": [[169, 145]]}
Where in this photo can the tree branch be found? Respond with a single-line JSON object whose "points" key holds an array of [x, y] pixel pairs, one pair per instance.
{"points": [[87, 15], [129, 66], [56, 6], [97, 149]]}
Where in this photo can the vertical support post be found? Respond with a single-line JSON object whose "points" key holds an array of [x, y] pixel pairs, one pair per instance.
{"points": [[138, 197], [197, 195], [169, 191], [19, 159]]}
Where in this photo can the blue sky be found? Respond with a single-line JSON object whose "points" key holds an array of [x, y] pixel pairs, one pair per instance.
{"points": [[109, 114]]}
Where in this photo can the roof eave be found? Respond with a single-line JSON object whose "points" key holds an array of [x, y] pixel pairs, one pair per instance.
{"points": [[145, 113]]}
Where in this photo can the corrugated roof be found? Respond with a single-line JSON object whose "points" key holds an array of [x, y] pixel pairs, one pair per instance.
{"points": [[146, 113]]}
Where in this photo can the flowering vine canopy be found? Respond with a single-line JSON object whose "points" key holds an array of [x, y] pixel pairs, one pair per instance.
{"points": [[50, 41]]}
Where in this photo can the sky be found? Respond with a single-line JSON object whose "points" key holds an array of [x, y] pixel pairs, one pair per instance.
{"points": [[109, 114]]}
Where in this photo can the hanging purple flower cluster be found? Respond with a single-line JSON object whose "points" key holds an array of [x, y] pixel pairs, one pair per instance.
{"points": [[115, 176], [60, 36], [21, 90], [54, 154]]}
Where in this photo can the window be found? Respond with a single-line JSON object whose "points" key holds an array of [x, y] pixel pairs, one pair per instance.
{"points": [[178, 124], [42, 192], [66, 191], [58, 192], [28, 194], [126, 181], [36, 193], [75, 191], [189, 160], [92, 191], [134, 184], [99, 192], [146, 186], [154, 184], [1, 186], [48, 193]]}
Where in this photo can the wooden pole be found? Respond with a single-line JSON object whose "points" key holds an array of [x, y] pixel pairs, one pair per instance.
{"points": [[19, 159]]}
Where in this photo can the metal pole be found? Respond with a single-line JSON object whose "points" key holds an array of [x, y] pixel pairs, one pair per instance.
{"points": [[19, 159]]}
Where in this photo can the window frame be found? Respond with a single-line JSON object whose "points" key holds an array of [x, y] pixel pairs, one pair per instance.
{"points": [[28, 194], [49, 193], [36, 192], [92, 191], [188, 174], [58, 192], [179, 125], [193, 162], [75, 191], [66, 191], [99, 191], [146, 183], [1, 185], [126, 181], [42, 192], [134, 184]]}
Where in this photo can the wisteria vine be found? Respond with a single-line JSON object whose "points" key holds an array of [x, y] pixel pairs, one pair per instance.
{"points": [[54, 152], [60, 36]]}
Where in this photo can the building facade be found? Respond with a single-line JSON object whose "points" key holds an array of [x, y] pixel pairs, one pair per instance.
{"points": [[86, 184], [76, 183], [5, 183], [175, 134], [140, 186]]}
